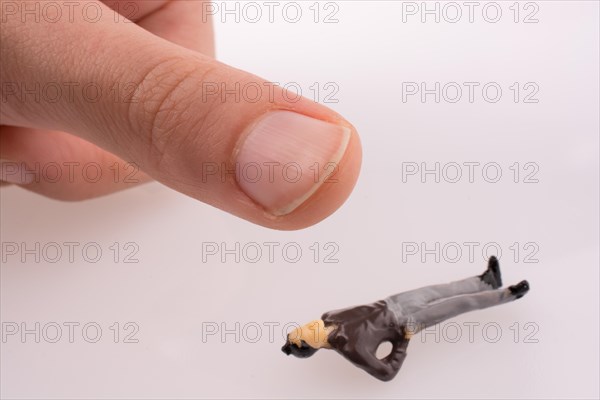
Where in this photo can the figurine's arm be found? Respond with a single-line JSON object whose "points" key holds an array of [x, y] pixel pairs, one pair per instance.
{"points": [[386, 368], [360, 330]]}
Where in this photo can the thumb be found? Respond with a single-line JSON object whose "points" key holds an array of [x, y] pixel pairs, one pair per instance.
{"points": [[218, 134]]}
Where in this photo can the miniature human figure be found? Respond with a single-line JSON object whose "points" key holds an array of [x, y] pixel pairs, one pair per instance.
{"points": [[357, 332]]}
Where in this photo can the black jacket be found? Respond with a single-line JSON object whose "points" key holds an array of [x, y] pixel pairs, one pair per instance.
{"points": [[359, 332]]}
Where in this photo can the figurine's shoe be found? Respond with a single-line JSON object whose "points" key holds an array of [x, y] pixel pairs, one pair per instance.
{"points": [[520, 289], [492, 275]]}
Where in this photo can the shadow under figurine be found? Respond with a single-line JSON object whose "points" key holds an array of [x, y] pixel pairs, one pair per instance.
{"points": [[357, 332]]}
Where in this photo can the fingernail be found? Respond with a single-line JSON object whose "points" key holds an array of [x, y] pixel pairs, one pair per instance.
{"points": [[14, 172], [285, 157]]}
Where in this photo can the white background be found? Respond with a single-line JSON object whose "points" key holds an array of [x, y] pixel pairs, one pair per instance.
{"points": [[172, 295]]}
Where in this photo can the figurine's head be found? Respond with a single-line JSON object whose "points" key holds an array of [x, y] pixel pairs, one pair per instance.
{"points": [[304, 341]]}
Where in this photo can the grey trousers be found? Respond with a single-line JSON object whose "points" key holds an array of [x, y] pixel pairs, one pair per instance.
{"points": [[421, 308]]}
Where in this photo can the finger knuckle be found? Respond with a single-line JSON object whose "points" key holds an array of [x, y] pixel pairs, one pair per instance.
{"points": [[168, 113]]}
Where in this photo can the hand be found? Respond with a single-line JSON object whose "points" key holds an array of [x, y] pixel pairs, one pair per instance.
{"points": [[149, 94]]}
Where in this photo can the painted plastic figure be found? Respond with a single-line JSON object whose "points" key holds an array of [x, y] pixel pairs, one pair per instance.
{"points": [[357, 332]]}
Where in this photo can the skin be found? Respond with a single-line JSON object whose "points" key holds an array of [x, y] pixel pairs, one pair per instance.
{"points": [[314, 333], [166, 50]]}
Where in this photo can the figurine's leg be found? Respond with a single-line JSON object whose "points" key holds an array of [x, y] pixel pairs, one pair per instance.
{"points": [[412, 301], [417, 299], [448, 308]]}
